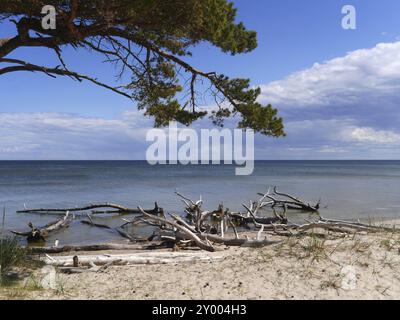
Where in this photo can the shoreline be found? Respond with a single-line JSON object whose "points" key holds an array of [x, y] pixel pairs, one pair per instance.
{"points": [[319, 266]]}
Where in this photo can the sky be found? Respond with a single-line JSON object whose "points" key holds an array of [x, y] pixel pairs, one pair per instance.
{"points": [[337, 90]]}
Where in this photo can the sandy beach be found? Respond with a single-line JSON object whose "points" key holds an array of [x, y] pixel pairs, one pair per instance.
{"points": [[319, 266]]}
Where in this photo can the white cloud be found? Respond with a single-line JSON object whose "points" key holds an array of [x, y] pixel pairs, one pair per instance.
{"points": [[330, 139], [370, 135], [69, 136], [345, 107], [358, 77]]}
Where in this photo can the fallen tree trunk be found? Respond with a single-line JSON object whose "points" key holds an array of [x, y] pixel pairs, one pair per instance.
{"points": [[40, 234], [94, 247], [120, 209], [132, 259]]}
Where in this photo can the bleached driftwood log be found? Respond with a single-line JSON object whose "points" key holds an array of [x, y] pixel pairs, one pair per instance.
{"points": [[41, 233], [235, 242], [132, 259]]}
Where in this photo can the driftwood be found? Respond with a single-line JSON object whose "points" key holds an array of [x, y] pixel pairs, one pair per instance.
{"points": [[119, 209], [40, 234], [132, 259], [189, 233], [199, 218], [234, 242], [93, 247], [288, 201], [93, 224], [201, 229]]}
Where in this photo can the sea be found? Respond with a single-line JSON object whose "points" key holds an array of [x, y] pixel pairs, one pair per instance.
{"points": [[346, 189]]}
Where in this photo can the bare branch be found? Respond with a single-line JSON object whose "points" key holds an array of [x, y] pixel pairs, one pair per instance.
{"points": [[24, 66]]}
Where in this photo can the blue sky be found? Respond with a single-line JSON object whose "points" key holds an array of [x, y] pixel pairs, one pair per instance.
{"points": [[338, 90]]}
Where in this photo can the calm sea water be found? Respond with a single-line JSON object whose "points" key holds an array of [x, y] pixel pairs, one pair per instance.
{"points": [[347, 189]]}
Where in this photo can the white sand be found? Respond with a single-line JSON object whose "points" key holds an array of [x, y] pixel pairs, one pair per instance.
{"points": [[353, 267]]}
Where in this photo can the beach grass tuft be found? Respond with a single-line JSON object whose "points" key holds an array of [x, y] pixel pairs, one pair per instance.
{"points": [[314, 247], [11, 255]]}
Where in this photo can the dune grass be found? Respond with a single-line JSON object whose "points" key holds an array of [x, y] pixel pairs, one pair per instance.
{"points": [[11, 255]]}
